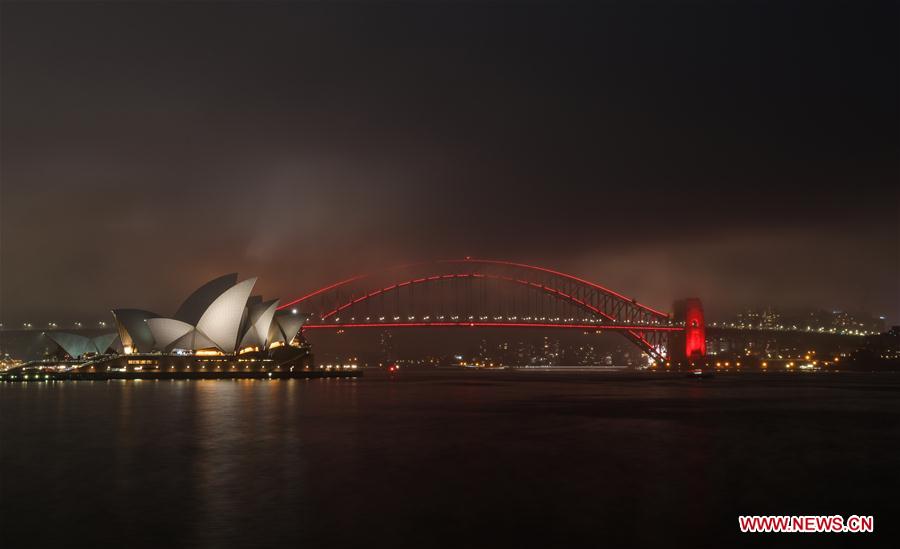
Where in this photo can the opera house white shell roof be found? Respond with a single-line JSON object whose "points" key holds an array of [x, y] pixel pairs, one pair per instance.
{"points": [[76, 345], [221, 316]]}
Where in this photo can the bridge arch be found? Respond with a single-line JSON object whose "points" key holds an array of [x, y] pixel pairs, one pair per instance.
{"points": [[605, 309]]}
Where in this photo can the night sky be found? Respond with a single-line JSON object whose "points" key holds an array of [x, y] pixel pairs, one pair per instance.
{"points": [[743, 152]]}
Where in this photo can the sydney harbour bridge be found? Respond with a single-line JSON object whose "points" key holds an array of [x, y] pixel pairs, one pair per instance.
{"points": [[483, 293]]}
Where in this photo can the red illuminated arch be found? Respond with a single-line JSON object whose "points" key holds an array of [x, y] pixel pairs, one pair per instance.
{"points": [[433, 278], [636, 321], [468, 260]]}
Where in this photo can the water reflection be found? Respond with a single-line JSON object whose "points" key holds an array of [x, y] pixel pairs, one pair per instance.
{"points": [[437, 460]]}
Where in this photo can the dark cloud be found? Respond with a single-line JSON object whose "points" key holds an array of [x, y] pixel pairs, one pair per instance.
{"points": [[744, 152]]}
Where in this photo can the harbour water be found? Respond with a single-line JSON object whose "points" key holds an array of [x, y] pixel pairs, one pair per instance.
{"points": [[446, 459]]}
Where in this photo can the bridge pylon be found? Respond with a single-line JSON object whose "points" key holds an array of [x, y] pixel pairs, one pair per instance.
{"points": [[688, 348]]}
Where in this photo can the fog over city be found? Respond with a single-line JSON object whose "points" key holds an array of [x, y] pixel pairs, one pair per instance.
{"points": [[307, 144]]}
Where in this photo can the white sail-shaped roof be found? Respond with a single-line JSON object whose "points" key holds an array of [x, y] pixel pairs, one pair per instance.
{"points": [[250, 339], [198, 302], [192, 341], [261, 316], [184, 342], [133, 329], [222, 319], [275, 333], [73, 344], [103, 342], [289, 325], [76, 345], [202, 342], [252, 301], [259, 325], [166, 331]]}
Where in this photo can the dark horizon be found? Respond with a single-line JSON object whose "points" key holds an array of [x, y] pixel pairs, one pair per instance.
{"points": [[746, 154]]}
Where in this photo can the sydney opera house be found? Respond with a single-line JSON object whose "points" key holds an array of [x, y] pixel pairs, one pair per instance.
{"points": [[220, 317], [221, 324]]}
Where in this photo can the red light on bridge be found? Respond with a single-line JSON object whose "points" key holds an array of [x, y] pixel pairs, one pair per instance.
{"points": [[694, 329], [642, 325], [470, 324]]}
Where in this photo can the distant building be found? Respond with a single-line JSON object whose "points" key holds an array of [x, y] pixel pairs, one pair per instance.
{"points": [[833, 321], [386, 347], [766, 318], [881, 351]]}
